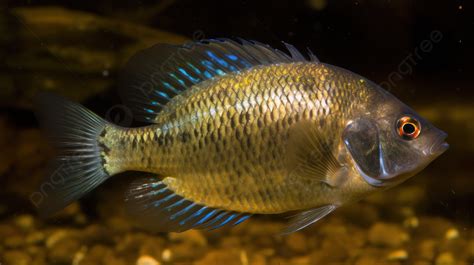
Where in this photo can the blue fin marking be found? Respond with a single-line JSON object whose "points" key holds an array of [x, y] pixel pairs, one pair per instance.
{"points": [[223, 223], [208, 216], [211, 222], [157, 208], [173, 69], [242, 219], [181, 212], [197, 213]]}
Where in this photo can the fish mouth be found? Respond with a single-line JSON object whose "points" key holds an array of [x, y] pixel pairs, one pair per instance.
{"points": [[439, 146]]}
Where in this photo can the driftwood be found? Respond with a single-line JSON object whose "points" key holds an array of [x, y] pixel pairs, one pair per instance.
{"points": [[73, 53]]}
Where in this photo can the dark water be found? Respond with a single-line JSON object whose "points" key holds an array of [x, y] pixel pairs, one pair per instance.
{"points": [[421, 51]]}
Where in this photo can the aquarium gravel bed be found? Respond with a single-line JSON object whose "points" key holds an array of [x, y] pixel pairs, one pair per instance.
{"points": [[74, 239]]}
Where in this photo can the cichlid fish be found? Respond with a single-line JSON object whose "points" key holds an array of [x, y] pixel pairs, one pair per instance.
{"points": [[239, 128]]}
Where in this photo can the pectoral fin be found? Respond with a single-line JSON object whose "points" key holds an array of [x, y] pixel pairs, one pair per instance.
{"points": [[310, 155], [306, 218]]}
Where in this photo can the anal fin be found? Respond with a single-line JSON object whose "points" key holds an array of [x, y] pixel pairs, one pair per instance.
{"points": [[156, 208]]}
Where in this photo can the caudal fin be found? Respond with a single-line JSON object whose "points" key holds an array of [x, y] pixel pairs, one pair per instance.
{"points": [[78, 169]]}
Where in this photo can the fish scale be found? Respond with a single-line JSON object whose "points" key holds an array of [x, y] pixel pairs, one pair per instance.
{"points": [[238, 125]]}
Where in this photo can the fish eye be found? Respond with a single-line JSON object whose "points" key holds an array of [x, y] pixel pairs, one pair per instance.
{"points": [[408, 128]]}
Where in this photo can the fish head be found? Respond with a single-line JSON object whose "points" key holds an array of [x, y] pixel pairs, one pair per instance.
{"points": [[390, 142]]}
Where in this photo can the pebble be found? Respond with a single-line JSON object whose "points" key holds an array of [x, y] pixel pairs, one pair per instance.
{"points": [[372, 260], [427, 249], [147, 260], [221, 256], [445, 258], [64, 251], [194, 237], [244, 258], [389, 235], [398, 255], [16, 257], [167, 255], [268, 252], [451, 233], [25, 222], [99, 254], [35, 238], [422, 262], [230, 242], [296, 242], [152, 246], [186, 252], [302, 260], [55, 237], [129, 245], [97, 234], [411, 222], [258, 259], [15, 241]]}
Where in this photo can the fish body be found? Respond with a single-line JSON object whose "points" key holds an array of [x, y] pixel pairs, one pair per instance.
{"points": [[256, 135], [225, 143]]}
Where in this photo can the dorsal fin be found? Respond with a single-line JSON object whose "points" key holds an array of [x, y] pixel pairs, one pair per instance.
{"points": [[155, 75]]}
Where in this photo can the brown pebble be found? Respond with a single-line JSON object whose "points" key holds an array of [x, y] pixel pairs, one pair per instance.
{"points": [[15, 241], [399, 255], [230, 242], [35, 238], [193, 237], [152, 246], [426, 249], [221, 256], [445, 258], [373, 260], [147, 260], [302, 260], [64, 250], [422, 262], [387, 235], [296, 242], [258, 259], [25, 222], [16, 257]]}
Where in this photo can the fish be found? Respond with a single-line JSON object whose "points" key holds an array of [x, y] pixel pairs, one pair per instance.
{"points": [[235, 128]]}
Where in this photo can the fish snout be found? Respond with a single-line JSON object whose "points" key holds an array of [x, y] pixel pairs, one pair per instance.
{"points": [[440, 145]]}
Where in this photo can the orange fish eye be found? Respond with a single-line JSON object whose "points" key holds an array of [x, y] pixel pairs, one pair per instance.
{"points": [[408, 128]]}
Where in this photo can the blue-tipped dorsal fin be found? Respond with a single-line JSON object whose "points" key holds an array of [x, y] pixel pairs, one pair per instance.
{"points": [[155, 75], [156, 208]]}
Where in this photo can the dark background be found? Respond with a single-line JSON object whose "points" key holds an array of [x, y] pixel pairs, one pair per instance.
{"points": [[368, 37]]}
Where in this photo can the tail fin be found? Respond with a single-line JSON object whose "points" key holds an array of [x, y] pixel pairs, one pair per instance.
{"points": [[78, 169]]}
